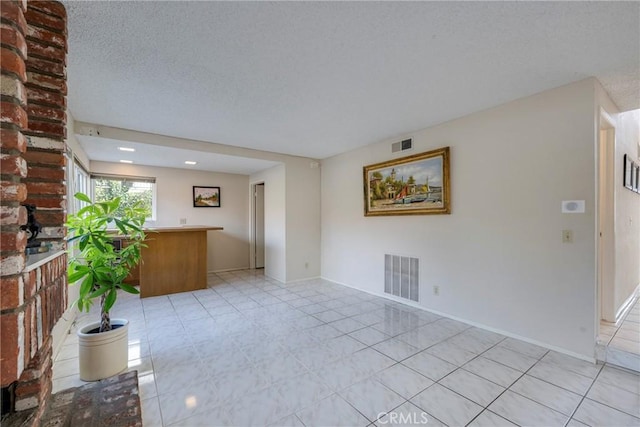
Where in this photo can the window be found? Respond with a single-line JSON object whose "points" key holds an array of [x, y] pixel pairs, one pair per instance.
{"points": [[80, 185], [130, 189], [77, 179]]}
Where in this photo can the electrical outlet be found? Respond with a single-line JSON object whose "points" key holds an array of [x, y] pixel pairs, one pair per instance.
{"points": [[436, 290], [567, 236], [183, 221]]}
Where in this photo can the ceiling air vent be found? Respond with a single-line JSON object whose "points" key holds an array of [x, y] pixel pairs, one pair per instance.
{"points": [[407, 144]]}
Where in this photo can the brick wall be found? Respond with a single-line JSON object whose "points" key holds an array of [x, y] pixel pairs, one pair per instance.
{"points": [[13, 119], [32, 145], [46, 130], [45, 293]]}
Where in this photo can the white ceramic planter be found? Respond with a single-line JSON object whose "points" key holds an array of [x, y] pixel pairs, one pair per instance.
{"points": [[105, 354]]}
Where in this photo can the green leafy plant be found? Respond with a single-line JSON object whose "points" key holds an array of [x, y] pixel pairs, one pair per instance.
{"points": [[94, 262]]}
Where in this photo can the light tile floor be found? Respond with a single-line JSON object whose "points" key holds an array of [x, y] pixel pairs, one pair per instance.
{"points": [[253, 351], [626, 336], [620, 344]]}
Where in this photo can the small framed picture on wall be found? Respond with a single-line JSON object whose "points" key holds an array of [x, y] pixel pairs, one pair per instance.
{"points": [[206, 197], [628, 172]]}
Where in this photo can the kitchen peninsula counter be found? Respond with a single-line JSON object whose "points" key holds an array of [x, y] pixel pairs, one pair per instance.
{"points": [[175, 260]]}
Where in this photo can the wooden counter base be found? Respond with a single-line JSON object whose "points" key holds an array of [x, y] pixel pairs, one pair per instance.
{"points": [[175, 260]]}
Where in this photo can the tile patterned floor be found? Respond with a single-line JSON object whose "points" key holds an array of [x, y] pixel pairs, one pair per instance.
{"points": [[253, 351], [620, 344], [626, 336]]}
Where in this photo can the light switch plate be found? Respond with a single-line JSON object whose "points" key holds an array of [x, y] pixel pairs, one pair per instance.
{"points": [[573, 206]]}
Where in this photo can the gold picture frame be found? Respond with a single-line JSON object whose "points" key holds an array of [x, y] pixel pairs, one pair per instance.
{"points": [[412, 185]]}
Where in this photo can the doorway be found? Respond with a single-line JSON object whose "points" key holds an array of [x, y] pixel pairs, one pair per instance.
{"points": [[606, 221], [258, 224]]}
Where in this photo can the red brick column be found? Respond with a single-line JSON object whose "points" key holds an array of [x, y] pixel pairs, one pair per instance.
{"points": [[32, 159], [46, 131], [13, 169]]}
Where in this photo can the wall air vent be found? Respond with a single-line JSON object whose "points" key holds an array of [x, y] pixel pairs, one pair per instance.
{"points": [[407, 144], [401, 276]]}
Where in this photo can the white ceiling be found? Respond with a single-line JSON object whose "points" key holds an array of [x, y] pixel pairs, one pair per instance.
{"points": [[107, 150], [319, 78]]}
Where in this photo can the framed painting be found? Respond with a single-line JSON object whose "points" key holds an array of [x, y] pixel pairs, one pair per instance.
{"points": [[413, 185], [636, 178], [206, 197], [628, 171]]}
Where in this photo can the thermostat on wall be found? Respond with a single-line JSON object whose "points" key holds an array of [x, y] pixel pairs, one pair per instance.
{"points": [[573, 206]]}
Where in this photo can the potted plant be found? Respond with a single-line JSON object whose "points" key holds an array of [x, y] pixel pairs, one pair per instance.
{"points": [[100, 270]]}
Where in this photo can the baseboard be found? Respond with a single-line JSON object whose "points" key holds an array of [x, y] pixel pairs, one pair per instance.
{"points": [[61, 330], [226, 270], [626, 306], [472, 323], [290, 282]]}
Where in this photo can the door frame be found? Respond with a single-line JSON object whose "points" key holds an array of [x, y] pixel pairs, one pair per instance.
{"points": [[605, 224], [252, 224]]}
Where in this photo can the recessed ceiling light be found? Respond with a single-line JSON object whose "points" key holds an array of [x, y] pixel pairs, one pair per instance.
{"points": [[126, 161], [126, 149], [190, 162]]}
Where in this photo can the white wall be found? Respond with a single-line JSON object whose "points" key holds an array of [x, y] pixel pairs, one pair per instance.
{"points": [[74, 145], [625, 246], [605, 119], [227, 249], [61, 328], [292, 219], [275, 262], [627, 216], [303, 219], [498, 258]]}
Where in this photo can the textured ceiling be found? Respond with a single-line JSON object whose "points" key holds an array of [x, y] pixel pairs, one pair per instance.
{"points": [[316, 79]]}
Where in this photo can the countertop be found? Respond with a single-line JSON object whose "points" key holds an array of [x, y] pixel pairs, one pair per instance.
{"points": [[178, 229], [183, 228]]}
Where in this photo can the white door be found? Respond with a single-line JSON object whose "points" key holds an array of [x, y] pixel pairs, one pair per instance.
{"points": [[259, 224]]}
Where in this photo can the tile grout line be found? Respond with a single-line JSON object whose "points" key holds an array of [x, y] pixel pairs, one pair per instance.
{"points": [[486, 408], [602, 403], [585, 396]]}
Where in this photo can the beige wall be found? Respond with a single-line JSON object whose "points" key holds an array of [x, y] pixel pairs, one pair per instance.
{"points": [[275, 228], [303, 219], [74, 145], [498, 258], [292, 219]]}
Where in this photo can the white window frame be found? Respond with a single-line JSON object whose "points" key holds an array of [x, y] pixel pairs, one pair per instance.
{"points": [[77, 180], [151, 180], [81, 184]]}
